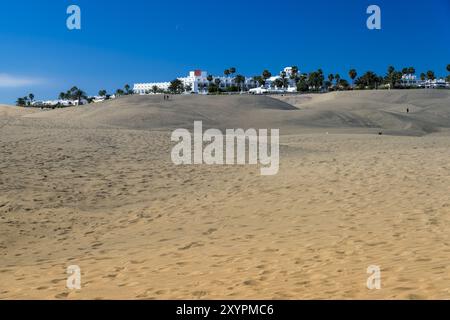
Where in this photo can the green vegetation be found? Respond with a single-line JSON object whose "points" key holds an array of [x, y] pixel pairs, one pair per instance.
{"points": [[176, 86]]}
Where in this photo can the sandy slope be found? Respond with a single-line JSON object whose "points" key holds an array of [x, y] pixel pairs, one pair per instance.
{"points": [[94, 186]]}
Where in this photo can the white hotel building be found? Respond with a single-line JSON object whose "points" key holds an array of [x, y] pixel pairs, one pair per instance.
{"points": [[410, 80], [198, 82]]}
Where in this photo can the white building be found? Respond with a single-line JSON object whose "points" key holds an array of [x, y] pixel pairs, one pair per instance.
{"points": [[435, 84], [65, 103], [410, 80], [146, 88], [196, 82]]}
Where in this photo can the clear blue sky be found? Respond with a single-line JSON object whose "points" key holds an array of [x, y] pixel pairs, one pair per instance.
{"points": [[141, 40]]}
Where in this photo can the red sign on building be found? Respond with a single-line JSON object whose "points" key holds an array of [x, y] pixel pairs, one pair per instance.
{"points": [[198, 73]]}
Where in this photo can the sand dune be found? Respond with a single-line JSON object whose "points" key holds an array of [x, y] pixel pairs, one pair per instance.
{"points": [[386, 110], [94, 186], [363, 111], [153, 113]]}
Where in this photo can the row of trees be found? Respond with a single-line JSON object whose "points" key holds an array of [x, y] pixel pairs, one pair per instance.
{"points": [[315, 81], [76, 94], [119, 92], [25, 101]]}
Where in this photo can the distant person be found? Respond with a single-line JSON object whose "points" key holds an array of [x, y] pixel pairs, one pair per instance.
{"points": [[407, 110]]}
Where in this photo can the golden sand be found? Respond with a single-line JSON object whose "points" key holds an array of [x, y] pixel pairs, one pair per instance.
{"points": [[95, 187]]}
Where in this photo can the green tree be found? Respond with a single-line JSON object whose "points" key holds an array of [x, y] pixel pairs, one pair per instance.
{"points": [[266, 75], [128, 89], [74, 94], [337, 77], [430, 75], [176, 86], [227, 72], [278, 83], [240, 81], [391, 69], [330, 79], [315, 80], [411, 70], [302, 84], [260, 80], [21, 102], [448, 67], [369, 80], [284, 79], [31, 97], [232, 71], [102, 93], [392, 76], [213, 88], [423, 76], [343, 84], [62, 96], [353, 74]]}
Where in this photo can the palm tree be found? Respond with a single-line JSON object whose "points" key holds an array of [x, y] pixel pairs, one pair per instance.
{"points": [[119, 92], [430, 75], [284, 80], [21, 102], [392, 77], [217, 81], [423, 76], [411, 70], [259, 80], [353, 74], [278, 83], [232, 71], [330, 78], [127, 89], [78, 94], [176, 86], [448, 67], [391, 69], [337, 76], [31, 97], [227, 74], [266, 75], [240, 80], [102, 93], [155, 89]]}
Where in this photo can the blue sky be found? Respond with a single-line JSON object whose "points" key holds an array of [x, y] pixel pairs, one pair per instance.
{"points": [[141, 40]]}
